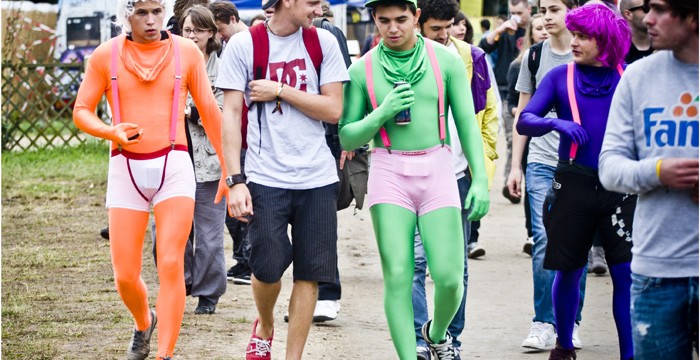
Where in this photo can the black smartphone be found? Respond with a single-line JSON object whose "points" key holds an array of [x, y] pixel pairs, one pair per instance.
{"points": [[135, 136]]}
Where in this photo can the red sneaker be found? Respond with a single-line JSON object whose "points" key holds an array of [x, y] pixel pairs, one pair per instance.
{"points": [[258, 349]]}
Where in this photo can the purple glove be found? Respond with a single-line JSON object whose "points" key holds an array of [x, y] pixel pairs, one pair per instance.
{"points": [[571, 129]]}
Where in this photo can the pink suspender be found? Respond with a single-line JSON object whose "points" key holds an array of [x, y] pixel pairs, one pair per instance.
{"points": [[173, 116], [438, 79], [176, 89], [574, 105]]}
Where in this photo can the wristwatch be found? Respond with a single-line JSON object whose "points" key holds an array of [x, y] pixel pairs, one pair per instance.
{"points": [[235, 179]]}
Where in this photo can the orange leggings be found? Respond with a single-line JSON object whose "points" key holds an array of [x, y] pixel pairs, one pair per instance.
{"points": [[127, 229]]}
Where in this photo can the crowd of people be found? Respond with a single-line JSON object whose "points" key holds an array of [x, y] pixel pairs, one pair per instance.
{"points": [[219, 124]]}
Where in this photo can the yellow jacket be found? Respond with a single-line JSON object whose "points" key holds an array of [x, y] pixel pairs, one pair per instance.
{"points": [[484, 100]]}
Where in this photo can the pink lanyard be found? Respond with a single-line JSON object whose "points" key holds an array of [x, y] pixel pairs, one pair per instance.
{"points": [[176, 89], [574, 105], [438, 79]]}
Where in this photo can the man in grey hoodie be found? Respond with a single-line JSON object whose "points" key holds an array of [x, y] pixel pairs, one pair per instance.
{"points": [[651, 148]]}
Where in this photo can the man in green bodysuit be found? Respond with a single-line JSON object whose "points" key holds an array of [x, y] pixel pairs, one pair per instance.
{"points": [[411, 180]]}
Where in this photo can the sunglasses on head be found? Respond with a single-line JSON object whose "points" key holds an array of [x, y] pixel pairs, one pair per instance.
{"points": [[642, 7]]}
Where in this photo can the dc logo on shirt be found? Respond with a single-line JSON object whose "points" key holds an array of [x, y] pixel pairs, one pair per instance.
{"points": [[681, 130], [290, 73]]}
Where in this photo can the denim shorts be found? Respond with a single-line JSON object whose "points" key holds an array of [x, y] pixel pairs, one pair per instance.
{"points": [[314, 228]]}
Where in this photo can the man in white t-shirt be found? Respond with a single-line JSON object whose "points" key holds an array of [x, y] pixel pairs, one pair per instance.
{"points": [[291, 176]]}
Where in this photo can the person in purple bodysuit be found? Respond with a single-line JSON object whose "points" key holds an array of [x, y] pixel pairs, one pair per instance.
{"points": [[577, 205]]}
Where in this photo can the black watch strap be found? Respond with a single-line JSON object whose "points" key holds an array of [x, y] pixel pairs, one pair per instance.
{"points": [[232, 180]]}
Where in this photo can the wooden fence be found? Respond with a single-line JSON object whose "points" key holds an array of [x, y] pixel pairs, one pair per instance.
{"points": [[37, 106]]}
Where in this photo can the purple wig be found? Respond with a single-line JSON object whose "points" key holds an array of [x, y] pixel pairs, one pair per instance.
{"points": [[610, 31]]}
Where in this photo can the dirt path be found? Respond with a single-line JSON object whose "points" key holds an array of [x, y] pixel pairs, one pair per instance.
{"points": [[59, 300], [499, 302]]}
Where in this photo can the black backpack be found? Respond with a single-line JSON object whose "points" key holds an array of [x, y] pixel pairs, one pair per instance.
{"points": [[358, 166], [533, 62]]}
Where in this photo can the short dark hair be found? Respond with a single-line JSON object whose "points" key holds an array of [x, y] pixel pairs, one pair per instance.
{"points": [[400, 3], [223, 10], [516, 2], [570, 4], [257, 17], [682, 9], [437, 9], [181, 5], [485, 23], [469, 34]]}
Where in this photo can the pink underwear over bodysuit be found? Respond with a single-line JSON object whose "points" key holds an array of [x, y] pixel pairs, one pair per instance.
{"points": [[420, 181]]}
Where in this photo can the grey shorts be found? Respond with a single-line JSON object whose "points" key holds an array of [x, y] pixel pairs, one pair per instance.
{"points": [[314, 228]]}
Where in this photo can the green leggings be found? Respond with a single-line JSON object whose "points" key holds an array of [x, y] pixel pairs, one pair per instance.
{"points": [[441, 231]]}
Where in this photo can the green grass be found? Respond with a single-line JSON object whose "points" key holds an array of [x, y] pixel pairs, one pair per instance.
{"points": [[53, 201], [64, 170]]}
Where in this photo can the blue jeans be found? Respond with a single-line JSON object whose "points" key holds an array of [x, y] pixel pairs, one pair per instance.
{"points": [[664, 317], [538, 180], [330, 290], [420, 305]]}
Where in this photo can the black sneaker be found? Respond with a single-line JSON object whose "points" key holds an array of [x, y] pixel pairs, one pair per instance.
{"points": [[442, 350], [105, 233], [205, 307], [237, 269], [239, 274], [559, 353], [140, 344], [242, 279]]}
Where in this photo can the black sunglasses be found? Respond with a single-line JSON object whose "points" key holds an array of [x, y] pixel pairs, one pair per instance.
{"points": [[642, 7]]}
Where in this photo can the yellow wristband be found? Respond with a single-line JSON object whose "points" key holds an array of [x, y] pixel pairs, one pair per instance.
{"points": [[279, 90], [658, 169]]}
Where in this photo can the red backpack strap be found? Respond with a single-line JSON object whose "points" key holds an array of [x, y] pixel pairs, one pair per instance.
{"points": [[440, 86], [261, 51], [261, 56], [313, 47], [373, 96]]}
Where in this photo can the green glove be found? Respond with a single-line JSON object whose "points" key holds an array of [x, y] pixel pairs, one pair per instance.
{"points": [[477, 199], [398, 99], [356, 129]]}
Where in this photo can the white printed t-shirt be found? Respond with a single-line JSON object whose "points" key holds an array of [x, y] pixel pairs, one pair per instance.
{"points": [[286, 150]]}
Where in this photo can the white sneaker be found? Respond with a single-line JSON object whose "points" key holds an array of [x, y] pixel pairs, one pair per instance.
{"points": [[326, 310], [542, 336], [575, 339]]}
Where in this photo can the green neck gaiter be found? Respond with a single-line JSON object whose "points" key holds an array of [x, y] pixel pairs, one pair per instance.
{"points": [[407, 65]]}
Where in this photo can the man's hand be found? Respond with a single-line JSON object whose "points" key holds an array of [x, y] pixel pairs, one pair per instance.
{"points": [[263, 90], [511, 24], [398, 99], [126, 134], [572, 130], [679, 173], [240, 203], [345, 155], [514, 182], [477, 200]]}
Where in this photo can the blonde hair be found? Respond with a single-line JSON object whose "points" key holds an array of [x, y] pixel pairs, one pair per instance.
{"points": [[527, 39], [125, 8]]}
